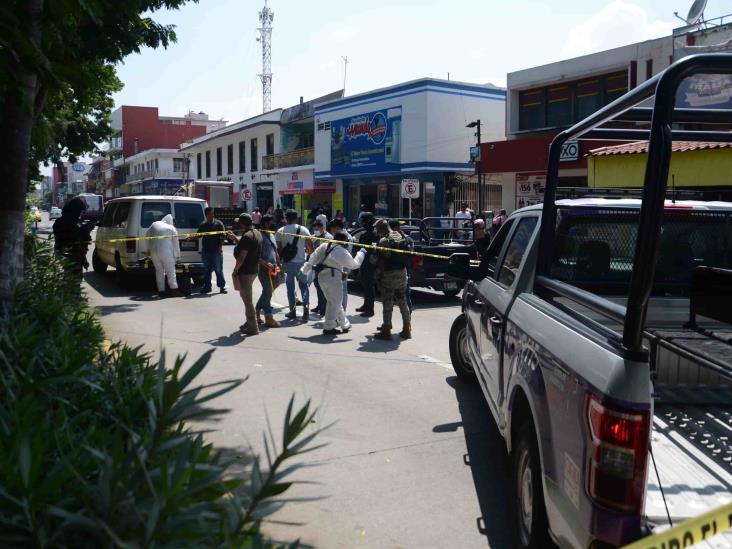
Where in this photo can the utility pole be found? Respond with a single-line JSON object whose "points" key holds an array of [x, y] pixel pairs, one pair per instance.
{"points": [[345, 72], [266, 16], [476, 125]]}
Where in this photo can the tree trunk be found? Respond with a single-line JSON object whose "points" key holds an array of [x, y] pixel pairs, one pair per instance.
{"points": [[16, 114]]}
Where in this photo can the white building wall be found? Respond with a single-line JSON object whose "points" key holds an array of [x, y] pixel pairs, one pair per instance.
{"points": [[432, 128], [256, 128], [448, 140]]}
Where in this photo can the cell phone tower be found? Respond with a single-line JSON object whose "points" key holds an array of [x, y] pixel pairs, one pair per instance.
{"points": [[265, 37]]}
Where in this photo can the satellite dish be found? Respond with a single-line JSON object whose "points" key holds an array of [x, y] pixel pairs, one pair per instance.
{"points": [[696, 12]]}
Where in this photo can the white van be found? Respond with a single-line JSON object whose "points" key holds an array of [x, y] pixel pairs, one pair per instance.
{"points": [[131, 217]]}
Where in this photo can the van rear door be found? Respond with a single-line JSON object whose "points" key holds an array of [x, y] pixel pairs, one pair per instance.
{"points": [[188, 216]]}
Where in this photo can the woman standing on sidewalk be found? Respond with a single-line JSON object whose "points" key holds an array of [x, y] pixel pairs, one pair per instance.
{"points": [[269, 263]]}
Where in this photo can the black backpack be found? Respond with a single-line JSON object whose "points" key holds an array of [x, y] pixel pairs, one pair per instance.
{"points": [[289, 250], [397, 260]]}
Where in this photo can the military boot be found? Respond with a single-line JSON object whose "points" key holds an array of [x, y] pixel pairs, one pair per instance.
{"points": [[406, 332], [383, 334]]}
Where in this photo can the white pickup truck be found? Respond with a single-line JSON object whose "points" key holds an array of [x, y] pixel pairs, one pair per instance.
{"points": [[600, 332]]}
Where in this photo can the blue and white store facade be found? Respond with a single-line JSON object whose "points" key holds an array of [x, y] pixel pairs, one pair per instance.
{"points": [[366, 144]]}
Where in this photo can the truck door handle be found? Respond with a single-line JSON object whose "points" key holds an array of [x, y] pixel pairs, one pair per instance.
{"points": [[478, 303], [495, 321]]}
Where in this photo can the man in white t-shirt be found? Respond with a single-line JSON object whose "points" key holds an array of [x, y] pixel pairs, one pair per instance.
{"points": [[462, 220], [293, 247]]}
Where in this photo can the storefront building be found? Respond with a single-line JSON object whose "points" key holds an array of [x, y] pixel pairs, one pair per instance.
{"points": [[294, 185], [542, 101], [154, 172], [367, 144], [702, 170], [235, 153]]}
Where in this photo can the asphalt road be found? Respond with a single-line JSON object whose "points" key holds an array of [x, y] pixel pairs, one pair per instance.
{"points": [[414, 459]]}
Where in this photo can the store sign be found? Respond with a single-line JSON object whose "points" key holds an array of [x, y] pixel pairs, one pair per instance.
{"points": [[529, 190], [475, 154], [78, 167], [246, 194], [302, 182], [570, 151], [367, 143], [705, 91], [410, 188]]}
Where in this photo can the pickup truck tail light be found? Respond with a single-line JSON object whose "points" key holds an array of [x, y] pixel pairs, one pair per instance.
{"points": [[618, 455], [131, 246], [417, 262]]}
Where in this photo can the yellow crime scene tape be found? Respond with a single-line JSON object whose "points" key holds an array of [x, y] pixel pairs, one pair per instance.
{"points": [[321, 239], [689, 532]]}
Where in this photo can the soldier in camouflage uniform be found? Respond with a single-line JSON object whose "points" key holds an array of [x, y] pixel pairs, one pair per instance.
{"points": [[392, 279]]}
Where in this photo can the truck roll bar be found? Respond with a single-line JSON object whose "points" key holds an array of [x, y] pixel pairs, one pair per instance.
{"points": [[663, 88]]}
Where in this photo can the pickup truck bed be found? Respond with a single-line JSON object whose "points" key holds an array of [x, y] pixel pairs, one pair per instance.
{"points": [[692, 451]]}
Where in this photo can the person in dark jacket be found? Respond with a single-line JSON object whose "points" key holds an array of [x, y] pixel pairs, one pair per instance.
{"points": [[72, 237], [367, 274]]}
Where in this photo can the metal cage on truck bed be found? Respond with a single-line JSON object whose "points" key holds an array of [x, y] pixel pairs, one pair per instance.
{"points": [[662, 117]]}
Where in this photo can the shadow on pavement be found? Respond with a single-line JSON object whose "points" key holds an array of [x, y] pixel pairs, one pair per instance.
{"points": [[230, 340], [322, 338], [105, 310], [487, 460], [372, 345]]}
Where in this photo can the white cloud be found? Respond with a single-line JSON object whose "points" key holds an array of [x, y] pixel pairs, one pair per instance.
{"points": [[619, 23]]}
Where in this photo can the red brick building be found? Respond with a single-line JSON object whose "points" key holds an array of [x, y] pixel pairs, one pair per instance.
{"points": [[139, 129]]}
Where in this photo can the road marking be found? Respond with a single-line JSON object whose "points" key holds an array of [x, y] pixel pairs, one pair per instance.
{"points": [[432, 360]]}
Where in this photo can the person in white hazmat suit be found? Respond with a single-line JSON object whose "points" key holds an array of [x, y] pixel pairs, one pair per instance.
{"points": [[164, 252], [328, 261]]}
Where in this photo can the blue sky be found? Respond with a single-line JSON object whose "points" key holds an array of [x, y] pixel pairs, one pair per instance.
{"points": [[214, 64]]}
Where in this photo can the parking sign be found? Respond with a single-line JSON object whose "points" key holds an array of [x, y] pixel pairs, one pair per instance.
{"points": [[410, 188]]}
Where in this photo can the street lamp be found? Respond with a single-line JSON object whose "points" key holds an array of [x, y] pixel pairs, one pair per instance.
{"points": [[476, 124]]}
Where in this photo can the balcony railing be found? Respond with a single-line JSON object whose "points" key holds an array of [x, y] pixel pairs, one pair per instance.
{"points": [[154, 174], [298, 157]]}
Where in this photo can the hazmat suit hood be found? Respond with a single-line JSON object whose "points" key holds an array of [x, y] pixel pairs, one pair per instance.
{"points": [[168, 219]]}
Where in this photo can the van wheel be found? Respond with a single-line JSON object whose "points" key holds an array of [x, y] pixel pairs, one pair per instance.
{"points": [[99, 266], [122, 276], [459, 351], [530, 524]]}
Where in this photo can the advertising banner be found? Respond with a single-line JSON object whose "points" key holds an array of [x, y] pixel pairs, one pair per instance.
{"points": [[529, 189], [367, 143]]}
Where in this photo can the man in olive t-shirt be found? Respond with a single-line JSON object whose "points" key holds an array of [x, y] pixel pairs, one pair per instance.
{"points": [[247, 252]]}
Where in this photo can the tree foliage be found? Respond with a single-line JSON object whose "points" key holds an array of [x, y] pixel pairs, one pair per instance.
{"points": [[73, 54]]}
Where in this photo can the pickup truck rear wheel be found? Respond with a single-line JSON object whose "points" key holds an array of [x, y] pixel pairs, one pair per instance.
{"points": [[530, 523], [459, 351]]}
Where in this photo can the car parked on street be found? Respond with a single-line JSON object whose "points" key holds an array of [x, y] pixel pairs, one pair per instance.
{"points": [[600, 333], [131, 217], [55, 213]]}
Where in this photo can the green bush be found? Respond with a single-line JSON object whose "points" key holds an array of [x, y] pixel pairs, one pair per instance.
{"points": [[95, 449]]}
